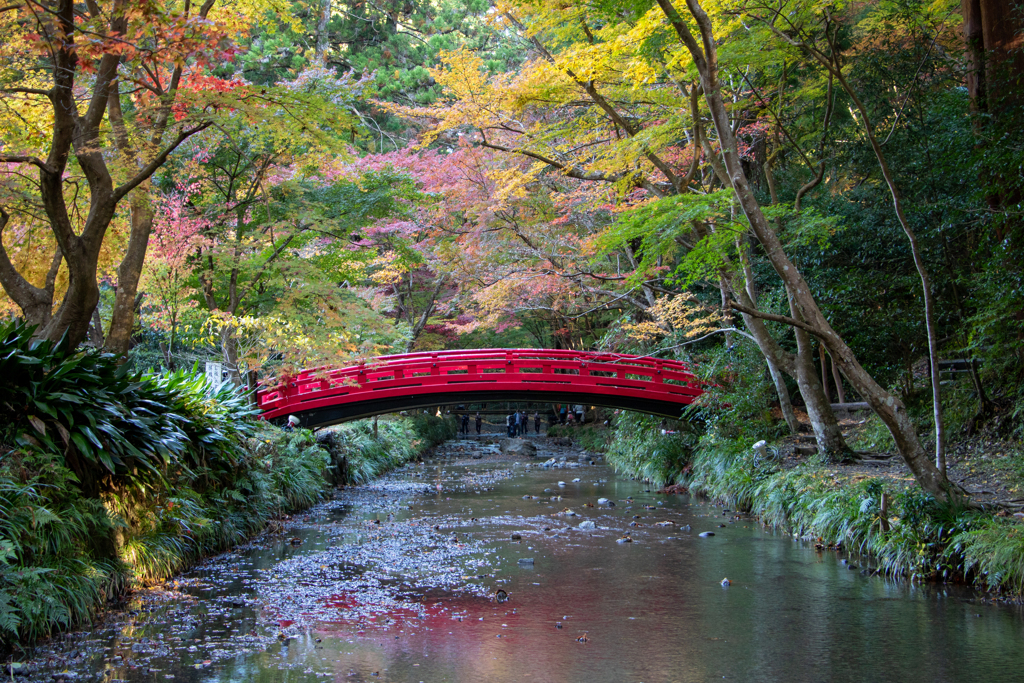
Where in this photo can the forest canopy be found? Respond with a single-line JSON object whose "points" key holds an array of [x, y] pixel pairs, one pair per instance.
{"points": [[279, 185]]}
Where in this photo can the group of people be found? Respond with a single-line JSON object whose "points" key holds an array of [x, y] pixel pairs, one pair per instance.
{"points": [[464, 424], [573, 416], [518, 423]]}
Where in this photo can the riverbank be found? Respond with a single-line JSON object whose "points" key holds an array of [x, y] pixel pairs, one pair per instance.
{"points": [[840, 507], [170, 528], [112, 481]]}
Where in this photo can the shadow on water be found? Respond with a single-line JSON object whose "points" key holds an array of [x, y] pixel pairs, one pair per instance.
{"points": [[396, 582]]}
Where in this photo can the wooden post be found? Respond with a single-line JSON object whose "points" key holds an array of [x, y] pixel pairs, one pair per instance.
{"points": [[883, 512]]}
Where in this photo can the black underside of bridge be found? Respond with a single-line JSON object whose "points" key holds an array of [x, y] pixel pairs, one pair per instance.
{"points": [[331, 415]]}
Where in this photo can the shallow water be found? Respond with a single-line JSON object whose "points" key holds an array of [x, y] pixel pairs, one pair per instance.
{"points": [[401, 600]]}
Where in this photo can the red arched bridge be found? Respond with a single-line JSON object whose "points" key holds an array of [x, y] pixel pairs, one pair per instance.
{"points": [[407, 381]]}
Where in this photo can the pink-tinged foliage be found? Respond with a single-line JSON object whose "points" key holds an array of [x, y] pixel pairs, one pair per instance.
{"points": [[178, 236]]}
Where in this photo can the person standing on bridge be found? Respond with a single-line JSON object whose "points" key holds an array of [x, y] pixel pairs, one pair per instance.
{"points": [[479, 422]]}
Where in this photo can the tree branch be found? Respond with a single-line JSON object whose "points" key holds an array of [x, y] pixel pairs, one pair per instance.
{"points": [[567, 170], [22, 159], [157, 161], [785, 320]]}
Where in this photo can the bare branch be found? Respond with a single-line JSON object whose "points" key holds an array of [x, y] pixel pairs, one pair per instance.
{"points": [[785, 320], [158, 161], [21, 159]]}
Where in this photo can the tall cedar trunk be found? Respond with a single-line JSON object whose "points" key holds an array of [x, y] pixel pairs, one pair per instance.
{"points": [[992, 31], [889, 408]]}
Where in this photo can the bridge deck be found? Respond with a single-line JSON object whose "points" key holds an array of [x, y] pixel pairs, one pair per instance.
{"points": [[324, 396]]}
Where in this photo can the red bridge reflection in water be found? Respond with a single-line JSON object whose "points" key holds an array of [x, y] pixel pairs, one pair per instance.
{"points": [[326, 396]]}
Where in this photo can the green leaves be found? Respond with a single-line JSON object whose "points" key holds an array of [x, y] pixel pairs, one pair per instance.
{"points": [[103, 418], [662, 231]]}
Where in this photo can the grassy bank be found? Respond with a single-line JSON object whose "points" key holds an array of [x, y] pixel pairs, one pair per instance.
{"points": [[836, 507], [110, 480]]}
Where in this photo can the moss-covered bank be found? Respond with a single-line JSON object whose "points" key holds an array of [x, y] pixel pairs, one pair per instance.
{"points": [[110, 480]]}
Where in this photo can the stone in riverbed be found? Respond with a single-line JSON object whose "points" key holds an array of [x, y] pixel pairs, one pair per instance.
{"points": [[602, 501], [706, 534], [588, 525], [520, 447], [526, 561]]}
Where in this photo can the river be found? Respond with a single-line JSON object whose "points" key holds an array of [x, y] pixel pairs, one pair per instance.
{"points": [[398, 582]]}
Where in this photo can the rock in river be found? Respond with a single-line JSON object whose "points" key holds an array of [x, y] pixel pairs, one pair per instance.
{"points": [[706, 534], [520, 447], [588, 525]]}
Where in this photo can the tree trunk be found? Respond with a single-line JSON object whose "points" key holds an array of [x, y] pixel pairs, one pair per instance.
{"points": [[824, 371], [129, 271], [889, 409], [823, 421], [750, 288], [96, 329], [831, 444], [992, 31], [322, 38], [229, 350], [840, 392]]}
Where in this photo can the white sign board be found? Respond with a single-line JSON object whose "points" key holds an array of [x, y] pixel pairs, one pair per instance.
{"points": [[214, 375]]}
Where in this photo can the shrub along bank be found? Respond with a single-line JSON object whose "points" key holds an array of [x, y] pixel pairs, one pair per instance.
{"points": [[920, 538], [916, 537], [110, 480]]}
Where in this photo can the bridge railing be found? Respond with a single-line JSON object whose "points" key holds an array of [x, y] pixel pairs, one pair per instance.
{"points": [[504, 368]]}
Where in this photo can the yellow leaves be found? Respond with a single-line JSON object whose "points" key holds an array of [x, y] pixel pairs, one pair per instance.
{"points": [[388, 269], [680, 313], [244, 15], [509, 183]]}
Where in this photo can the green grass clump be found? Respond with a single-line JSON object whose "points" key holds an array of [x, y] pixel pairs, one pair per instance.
{"points": [[993, 551], [640, 450]]}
